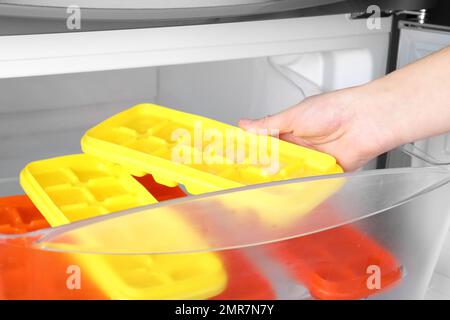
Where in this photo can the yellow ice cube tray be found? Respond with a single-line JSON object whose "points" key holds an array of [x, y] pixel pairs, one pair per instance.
{"points": [[182, 276], [75, 187], [202, 154], [281, 206], [170, 275]]}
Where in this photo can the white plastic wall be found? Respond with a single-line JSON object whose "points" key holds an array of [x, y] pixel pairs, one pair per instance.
{"points": [[230, 90], [42, 117]]}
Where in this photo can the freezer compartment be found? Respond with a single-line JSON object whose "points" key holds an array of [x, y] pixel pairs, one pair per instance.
{"points": [[249, 246], [378, 236], [45, 116]]}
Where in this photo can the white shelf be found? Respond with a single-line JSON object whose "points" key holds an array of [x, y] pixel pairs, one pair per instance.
{"points": [[44, 54]]}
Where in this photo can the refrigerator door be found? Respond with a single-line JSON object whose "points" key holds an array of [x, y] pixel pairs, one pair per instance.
{"points": [[415, 42]]}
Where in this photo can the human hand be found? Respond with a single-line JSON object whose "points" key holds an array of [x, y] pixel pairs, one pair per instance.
{"points": [[356, 124], [344, 124]]}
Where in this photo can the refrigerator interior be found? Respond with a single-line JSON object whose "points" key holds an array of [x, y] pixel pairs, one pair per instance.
{"points": [[68, 82], [45, 109], [45, 116]]}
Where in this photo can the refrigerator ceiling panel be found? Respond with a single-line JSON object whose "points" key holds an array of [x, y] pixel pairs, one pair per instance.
{"points": [[49, 16]]}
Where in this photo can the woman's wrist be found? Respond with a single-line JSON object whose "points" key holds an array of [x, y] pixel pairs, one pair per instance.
{"points": [[390, 112], [374, 129], [415, 100]]}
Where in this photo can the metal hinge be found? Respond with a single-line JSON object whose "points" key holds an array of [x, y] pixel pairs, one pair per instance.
{"points": [[420, 15], [365, 15]]}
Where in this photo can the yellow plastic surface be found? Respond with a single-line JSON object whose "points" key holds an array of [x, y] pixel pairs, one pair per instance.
{"points": [[146, 137], [76, 187], [299, 199], [157, 276], [166, 276]]}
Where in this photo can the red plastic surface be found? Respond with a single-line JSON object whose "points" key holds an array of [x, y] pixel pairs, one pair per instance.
{"points": [[159, 191], [338, 263], [19, 215], [245, 282], [332, 264], [26, 273]]}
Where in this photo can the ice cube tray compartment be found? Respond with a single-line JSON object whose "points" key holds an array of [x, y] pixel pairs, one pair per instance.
{"points": [[157, 276], [147, 138], [75, 187], [334, 264], [18, 215], [164, 276], [23, 269]]}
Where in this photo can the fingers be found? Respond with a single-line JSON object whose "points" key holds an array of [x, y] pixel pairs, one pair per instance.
{"points": [[280, 122]]}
